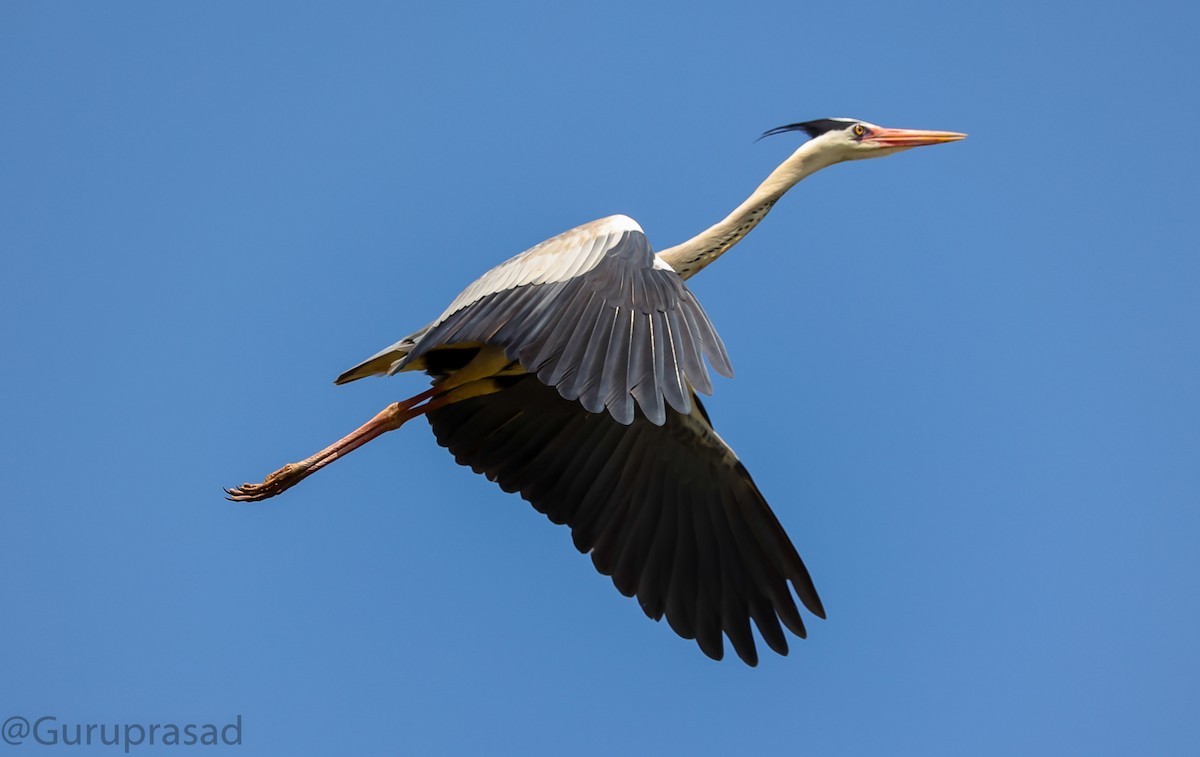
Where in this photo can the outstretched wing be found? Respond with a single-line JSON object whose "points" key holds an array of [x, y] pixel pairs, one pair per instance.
{"points": [[592, 313], [667, 509]]}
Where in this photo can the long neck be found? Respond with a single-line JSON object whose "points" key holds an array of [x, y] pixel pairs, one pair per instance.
{"points": [[689, 257]]}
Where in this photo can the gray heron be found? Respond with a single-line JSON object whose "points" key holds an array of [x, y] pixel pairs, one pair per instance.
{"points": [[569, 374]]}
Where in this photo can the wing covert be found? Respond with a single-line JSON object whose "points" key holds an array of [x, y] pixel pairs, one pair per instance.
{"points": [[592, 313]]}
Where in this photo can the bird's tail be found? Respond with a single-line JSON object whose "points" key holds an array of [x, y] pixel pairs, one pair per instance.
{"points": [[386, 361]]}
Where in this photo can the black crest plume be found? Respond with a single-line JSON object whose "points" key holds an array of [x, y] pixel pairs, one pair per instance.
{"points": [[811, 128]]}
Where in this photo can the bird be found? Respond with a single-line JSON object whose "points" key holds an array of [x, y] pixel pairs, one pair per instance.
{"points": [[570, 374]]}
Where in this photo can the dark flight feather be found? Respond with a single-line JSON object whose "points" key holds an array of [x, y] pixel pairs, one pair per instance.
{"points": [[666, 510]]}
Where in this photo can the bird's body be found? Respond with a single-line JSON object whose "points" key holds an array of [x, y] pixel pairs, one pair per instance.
{"points": [[569, 374]]}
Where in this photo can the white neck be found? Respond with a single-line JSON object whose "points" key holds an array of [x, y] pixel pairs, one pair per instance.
{"points": [[689, 257]]}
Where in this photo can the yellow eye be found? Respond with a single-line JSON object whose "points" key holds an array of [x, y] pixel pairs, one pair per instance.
{"points": [[859, 130]]}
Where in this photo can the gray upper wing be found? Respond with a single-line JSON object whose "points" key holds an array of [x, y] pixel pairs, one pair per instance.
{"points": [[595, 315], [667, 510]]}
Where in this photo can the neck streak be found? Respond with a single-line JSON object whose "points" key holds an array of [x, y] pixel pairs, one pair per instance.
{"points": [[690, 257]]}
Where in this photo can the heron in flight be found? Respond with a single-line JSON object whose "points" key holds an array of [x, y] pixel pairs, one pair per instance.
{"points": [[569, 374]]}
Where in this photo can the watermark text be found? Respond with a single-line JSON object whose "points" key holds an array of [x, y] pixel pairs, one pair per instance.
{"points": [[49, 730]]}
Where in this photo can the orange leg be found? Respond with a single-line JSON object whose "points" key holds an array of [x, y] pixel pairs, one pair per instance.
{"points": [[390, 418], [473, 380]]}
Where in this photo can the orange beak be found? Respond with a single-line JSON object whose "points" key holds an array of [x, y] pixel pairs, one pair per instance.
{"points": [[911, 137]]}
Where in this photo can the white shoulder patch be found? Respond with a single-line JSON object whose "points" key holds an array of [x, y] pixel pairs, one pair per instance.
{"points": [[559, 258], [618, 222]]}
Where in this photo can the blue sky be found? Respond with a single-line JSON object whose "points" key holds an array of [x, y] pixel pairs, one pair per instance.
{"points": [[966, 375]]}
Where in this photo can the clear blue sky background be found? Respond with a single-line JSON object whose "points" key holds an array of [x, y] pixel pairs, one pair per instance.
{"points": [[966, 376]]}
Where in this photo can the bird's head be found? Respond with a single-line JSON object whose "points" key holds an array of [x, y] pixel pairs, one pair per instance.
{"points": [[839, 139]]}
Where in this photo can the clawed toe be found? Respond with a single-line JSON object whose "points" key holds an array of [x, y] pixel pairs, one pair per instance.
{"points": [[276, 483]]}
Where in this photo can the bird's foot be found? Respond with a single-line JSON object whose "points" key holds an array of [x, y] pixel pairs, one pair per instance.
{"points": [[276, 483]]}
